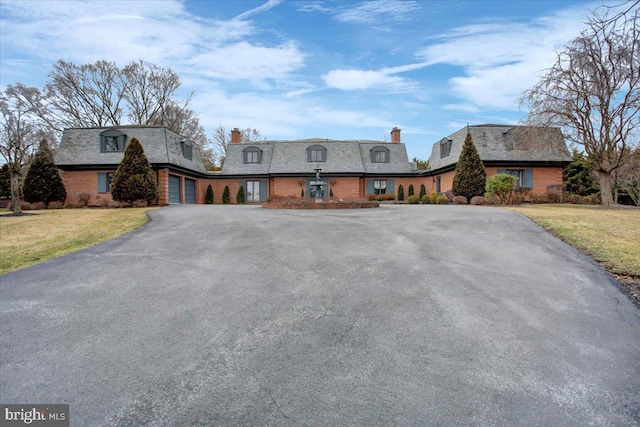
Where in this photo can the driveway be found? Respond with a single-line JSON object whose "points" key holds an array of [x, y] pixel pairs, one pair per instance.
{"points": [[402, 315]]}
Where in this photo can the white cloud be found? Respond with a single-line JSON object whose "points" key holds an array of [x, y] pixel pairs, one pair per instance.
{"points": [[372, 11], [366, 79], [500, 60], [268, 5], [244, 61]]}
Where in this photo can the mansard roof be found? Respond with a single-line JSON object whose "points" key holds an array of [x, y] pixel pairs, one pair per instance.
{"points": [[82, 147], [503, 144], [342, 156]]}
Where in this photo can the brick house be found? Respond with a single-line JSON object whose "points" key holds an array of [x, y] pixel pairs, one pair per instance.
{"points": [[89, 157], [350, 169], [535, 156]]}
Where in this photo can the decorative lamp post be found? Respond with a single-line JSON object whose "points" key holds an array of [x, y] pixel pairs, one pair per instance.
{"points": [[318, 184]]}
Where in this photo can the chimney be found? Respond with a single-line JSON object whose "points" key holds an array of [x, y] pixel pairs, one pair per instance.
{"points": [[235, 136], [395, 135]]}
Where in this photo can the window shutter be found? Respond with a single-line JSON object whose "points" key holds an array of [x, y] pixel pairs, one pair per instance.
{"points": [[102, 182], [390, 187], [370, 186], [528, 178], [263, 191]]}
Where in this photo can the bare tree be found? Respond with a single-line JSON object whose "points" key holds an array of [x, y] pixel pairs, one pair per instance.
{"points": [[627, 178], [19, 134], [221, 140], [592, 92], [101, 94], [149, 90]]}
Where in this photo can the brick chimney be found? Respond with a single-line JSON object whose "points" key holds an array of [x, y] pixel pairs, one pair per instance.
{"points": [[235, 136], [395, 135]]}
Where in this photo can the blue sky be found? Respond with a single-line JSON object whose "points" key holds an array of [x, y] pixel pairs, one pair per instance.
{"points": [[311, 68]]}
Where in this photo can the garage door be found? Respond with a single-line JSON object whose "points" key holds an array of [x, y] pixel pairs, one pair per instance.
{"points": [[189, 191], [174, 189]]}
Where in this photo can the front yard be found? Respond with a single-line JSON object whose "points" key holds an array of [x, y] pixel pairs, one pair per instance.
{"points": [[47, 234], [609, 235]]}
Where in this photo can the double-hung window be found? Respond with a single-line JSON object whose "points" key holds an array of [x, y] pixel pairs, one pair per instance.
{"points": [[252, 155], [316, 153]]}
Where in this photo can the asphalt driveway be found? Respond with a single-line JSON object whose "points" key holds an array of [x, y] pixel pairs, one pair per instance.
{"points": [[402, 315]]}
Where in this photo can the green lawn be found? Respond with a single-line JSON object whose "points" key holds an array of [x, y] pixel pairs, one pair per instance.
{"points": [[610, 235], [47, 234]]}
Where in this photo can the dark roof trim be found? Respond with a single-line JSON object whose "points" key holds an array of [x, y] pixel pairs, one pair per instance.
{"points": [[504, 163]]}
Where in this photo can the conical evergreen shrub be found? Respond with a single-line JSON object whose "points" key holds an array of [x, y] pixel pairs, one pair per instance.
{"points": [[470, 178], [226, 197], [43, 182], [400, 193], [423, 191], [411, 191], [134, 178], [209, 196], [240, 195]]}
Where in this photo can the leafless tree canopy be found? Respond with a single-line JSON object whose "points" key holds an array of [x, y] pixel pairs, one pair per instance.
{"points": [[221, 140], [101, 94], [592, 92]]}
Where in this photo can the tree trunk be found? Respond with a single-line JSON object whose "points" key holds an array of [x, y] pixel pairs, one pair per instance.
{"points": [[15, 192], [605, 188]]}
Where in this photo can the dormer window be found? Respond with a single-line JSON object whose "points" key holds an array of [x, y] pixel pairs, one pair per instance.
{"points": [[379, 155], [112, 141], [187, 149], [445, 147], [252, 155], [316, 153]]}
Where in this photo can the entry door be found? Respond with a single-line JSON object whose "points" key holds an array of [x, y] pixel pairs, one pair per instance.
{"points": [[189, 191], [174, 189]]}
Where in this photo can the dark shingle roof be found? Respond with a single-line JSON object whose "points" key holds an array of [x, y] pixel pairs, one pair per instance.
{"points": [[80, 147], [504, 143], [290, 157]]}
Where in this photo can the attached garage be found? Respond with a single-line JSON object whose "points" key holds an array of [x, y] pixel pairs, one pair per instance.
{"points": [[174, 189], [189, 191]]}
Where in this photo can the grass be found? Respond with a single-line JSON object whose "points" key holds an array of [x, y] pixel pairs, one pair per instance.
{"points": [[611, 236], [30, 239]]}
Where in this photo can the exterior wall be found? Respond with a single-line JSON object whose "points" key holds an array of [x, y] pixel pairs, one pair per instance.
{"points": [[416, 181], [163, 187], [286, 187], [542, 177], [346, 187], [78, 182]]}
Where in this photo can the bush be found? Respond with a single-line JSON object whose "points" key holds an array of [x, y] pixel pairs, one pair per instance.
{"points": [[433, 198], [208, 198], [411, 192], [479, 201], [540, 198], [425, 200], [442, 200], [554, 192], [573, 199], [459, 200], [140, 204], [302, 193], [331, 193], [226, 198], [413, 199], [449, 195], [401, 193], [84, 199], [43, 182], [55, 205], [134, 179], [423, 191], [386, 197], [500, 186]]}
